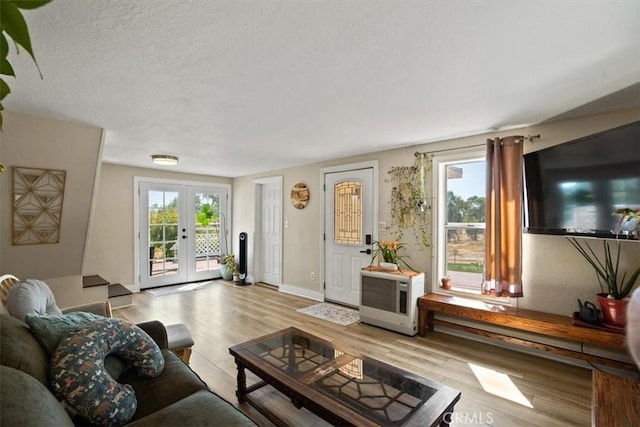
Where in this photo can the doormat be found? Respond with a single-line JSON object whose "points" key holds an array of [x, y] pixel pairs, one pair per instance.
{"points": [[175, 289], [333, 313]]}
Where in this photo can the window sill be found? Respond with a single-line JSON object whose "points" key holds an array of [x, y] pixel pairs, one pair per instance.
{"points": [[465, 293]]}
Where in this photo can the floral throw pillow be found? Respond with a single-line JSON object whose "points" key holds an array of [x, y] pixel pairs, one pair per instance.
{"points": [[50, 330], [79, 377]]}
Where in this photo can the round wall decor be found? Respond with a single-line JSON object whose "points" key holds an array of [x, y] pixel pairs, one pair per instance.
{"points": [[299, 195]]}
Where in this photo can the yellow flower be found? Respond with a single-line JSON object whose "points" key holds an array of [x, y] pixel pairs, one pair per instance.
{"points": [[389, 252]]}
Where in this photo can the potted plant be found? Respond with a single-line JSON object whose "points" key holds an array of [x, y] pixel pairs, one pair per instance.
{"points": [[629, 223], [614, 284], [446, 282], [389, 252], [229, 267], [408, 203]]}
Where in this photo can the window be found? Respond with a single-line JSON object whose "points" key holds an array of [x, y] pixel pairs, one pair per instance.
{"points": [[460, 187], [348, 213]]}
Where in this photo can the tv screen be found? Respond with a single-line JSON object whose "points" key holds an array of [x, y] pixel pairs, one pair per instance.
{"points": [[573, 188]]}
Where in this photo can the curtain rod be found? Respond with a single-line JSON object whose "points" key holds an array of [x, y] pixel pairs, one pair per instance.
{"points": [[529, 138]]}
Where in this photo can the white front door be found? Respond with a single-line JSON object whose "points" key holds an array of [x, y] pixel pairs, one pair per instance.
{"points": [[270, 232], [349, 208], [182, 233]]}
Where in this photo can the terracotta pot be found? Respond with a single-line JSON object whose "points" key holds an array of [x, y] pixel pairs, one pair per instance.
{"points": [[446, 283], [614, 311]]}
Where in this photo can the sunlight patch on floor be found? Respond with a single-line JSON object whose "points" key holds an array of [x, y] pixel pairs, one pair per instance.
{"points": [[499, 384]]}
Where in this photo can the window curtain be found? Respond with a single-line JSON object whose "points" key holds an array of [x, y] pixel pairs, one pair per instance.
{"points": [[503, 252]]}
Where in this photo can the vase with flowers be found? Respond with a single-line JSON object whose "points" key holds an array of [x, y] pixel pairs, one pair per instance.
{"points": [[389, 251]]}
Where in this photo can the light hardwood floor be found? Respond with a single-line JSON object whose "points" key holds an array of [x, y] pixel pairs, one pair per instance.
{"points": [[223, 314]]}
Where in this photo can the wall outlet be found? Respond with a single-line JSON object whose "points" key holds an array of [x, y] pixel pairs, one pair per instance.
{"points": [[382, 225], [313, 276]]}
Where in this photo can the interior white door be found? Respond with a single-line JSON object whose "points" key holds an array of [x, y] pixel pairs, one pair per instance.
{"points": [[271, 220], [182, 233], [348, 227]]}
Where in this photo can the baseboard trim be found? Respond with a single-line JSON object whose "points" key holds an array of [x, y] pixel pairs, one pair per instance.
{"points": [[301, 292]]}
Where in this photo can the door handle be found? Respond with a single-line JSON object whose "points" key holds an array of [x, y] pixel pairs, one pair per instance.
{"points": [[368, 251]]}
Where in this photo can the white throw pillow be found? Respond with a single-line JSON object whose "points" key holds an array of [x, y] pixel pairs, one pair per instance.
{"points": [[31, 297]]}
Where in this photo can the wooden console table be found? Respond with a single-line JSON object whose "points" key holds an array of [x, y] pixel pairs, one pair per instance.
{"points": [[615, 400], [544, 324]]}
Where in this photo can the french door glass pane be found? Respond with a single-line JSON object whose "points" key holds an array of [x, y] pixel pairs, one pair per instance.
{"points": [[163, 233], [348, 213], [208, 232]]}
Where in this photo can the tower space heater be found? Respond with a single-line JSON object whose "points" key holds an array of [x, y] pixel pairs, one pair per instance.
{"points": [[242, 260]]}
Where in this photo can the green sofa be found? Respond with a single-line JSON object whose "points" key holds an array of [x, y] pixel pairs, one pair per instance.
{"points": [[176, 397]]}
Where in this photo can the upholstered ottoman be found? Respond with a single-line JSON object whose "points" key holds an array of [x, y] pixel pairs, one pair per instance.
{"points": [[180, 340]]}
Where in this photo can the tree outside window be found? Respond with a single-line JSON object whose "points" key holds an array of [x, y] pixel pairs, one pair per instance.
{"points": [[460, 252]]}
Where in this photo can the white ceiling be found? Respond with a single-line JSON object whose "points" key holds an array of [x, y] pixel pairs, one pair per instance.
{"points": [[239, 87]]}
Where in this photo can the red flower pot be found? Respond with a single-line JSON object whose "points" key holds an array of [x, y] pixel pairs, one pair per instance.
{"points": [[614, 311]]}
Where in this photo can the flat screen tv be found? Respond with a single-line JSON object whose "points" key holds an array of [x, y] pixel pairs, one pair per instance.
{"points": [[573, 188]]}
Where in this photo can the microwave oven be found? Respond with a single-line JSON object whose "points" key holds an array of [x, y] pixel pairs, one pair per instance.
{"points": [[390, 299]]}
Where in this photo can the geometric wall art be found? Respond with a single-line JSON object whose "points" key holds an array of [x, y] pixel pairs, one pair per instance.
{"points": [[37, 205]]}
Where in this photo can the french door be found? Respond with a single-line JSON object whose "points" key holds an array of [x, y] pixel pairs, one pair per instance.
{"points": [[183, 232]]}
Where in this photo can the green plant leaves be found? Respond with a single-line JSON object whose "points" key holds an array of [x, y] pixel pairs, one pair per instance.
{"points": [[5, 66], [629, 284], [409, 206], [12, 24], [607, 269], [30, 4], [15, 26], [205, 215], [230, 261], [389, 251], [4, 89]]}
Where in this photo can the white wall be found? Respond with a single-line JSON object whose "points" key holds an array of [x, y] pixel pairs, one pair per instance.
{"points": [[29, 141], [554, 273]]}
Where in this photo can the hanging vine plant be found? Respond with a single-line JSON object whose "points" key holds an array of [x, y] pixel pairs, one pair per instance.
{"points": [[409, 206]]}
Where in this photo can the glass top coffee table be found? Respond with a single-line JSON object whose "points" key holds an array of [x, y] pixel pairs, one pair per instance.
{"points": [[338, 384]]}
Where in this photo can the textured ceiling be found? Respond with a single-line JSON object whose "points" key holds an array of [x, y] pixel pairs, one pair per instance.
{"points": [[240, 87]]}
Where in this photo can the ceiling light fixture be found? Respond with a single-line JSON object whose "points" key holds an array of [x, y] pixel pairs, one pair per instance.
{"points": [[164, 159]]}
